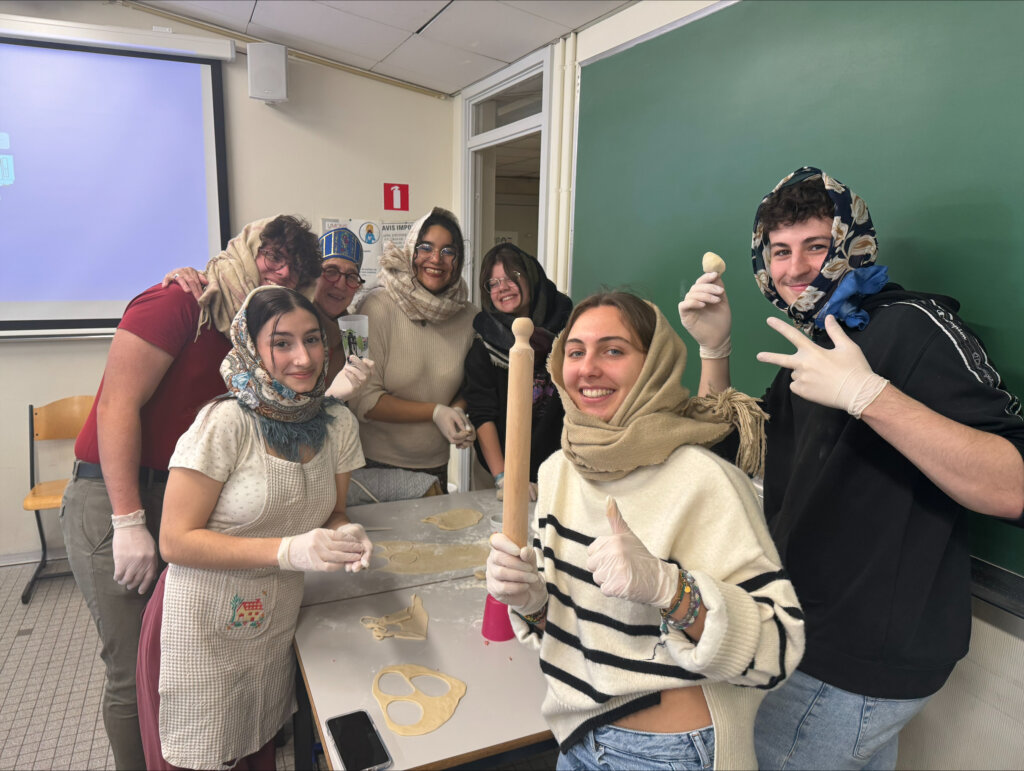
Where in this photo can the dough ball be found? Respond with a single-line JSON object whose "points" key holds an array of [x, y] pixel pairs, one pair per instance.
{"points": [[712, 263]]}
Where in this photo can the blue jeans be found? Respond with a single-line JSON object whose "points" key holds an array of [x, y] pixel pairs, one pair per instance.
{"points": [[807, 724], [610, 747]]}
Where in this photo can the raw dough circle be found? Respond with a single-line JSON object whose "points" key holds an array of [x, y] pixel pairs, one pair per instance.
{"points": [[455, 519]]}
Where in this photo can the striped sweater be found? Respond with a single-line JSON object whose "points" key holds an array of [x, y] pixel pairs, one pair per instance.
{"points": [[605, 658]]}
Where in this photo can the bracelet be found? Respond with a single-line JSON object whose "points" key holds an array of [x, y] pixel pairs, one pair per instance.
{"points": [[533, 618], [129, 520], [692, 610], [681, 589]]}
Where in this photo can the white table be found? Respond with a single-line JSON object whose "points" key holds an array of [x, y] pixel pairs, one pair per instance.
{"points": [[339, 658]]}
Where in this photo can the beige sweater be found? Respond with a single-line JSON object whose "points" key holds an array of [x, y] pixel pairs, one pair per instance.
{"points": [[421, 362]]}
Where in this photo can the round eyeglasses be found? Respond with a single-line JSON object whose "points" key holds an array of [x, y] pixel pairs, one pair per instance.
{"points": [[494, 284], [273, 260], [426, 249], [352, 280]]}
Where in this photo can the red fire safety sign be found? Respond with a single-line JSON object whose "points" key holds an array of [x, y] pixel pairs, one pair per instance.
{"points": [[396, 197]]}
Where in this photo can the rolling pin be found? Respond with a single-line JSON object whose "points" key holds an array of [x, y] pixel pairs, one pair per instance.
{"points": [[518, 422]]}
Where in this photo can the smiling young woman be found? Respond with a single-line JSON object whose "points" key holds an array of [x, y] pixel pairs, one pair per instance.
{"points": [[650, 556], [421, 326]]}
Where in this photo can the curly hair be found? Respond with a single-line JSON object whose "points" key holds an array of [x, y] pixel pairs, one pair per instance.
{"points": [[791, 204], [291, 237]]}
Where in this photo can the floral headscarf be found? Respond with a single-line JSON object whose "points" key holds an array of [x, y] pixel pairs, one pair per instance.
{"points": [[398, 276], [854, 248], [249, 381]]}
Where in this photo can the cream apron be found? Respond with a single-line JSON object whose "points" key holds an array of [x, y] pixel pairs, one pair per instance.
{"points": [[227, 673]]}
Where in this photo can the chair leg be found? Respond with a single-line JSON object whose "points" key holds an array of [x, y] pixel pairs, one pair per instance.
{"points": [[37, 574]]}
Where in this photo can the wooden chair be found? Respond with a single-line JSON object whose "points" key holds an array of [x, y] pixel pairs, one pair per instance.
{"points": [[62, 419]]}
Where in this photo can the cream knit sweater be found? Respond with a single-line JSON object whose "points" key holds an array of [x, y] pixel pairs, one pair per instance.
{"points": [[605, 657], [421, 362]]}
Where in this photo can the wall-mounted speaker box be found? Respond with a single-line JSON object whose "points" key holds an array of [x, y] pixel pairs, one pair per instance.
{"points": [[268, 66]]}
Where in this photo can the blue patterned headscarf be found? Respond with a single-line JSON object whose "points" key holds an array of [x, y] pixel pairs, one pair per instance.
{"points": [[848, 273], [249, 381]]}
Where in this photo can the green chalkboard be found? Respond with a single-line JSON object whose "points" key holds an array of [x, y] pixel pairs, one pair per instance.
{"points": [[918, 107]]}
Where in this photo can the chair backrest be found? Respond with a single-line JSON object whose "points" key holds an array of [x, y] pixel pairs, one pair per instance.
{"points": [[61, 419]]}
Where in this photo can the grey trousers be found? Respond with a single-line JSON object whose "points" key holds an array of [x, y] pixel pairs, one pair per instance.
{"points": [[88, 535]]}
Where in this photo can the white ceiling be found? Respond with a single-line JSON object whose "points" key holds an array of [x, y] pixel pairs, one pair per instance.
{"points": [[444, 45]]}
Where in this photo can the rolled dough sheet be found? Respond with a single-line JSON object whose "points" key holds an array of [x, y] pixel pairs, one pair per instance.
{"points": [[455, 519], [408, 557], [436, 709]]}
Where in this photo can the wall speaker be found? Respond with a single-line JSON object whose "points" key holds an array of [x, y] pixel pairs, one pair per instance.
{"points": [[268, 79]]}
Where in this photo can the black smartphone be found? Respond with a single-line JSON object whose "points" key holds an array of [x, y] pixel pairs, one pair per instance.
{"points": [[358, 743]]}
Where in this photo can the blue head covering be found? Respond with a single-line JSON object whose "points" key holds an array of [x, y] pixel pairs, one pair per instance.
{"points": [[848, 273], [343, 244]]}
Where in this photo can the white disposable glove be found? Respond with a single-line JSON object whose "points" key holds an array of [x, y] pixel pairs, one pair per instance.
{"points": [[355, 532], [135, 557], [512, 576], [321, 550], [352, 377], [705, 314], [499, 484], [624, 568], [454, 425], [839, 378]]}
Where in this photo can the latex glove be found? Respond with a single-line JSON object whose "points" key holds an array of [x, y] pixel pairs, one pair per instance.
{"points": [[451, 422], [321, 550], [839, 377], [352, 377], [468, 435], [512, 576], [135, 557], [189, 279], [705, 314], [355, 532], [624, 568], [499, 484]]}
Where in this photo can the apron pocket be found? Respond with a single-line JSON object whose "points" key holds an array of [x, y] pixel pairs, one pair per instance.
{"points": [[245, 605]]}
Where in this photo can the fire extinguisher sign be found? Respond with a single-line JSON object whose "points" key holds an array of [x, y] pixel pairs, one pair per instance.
{"points": [[396, 197]]}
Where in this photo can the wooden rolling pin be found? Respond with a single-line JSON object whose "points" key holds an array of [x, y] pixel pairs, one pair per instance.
{"points": [[518, 422]]}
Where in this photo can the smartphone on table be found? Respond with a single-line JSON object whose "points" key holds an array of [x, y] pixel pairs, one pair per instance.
{"points": [[356, 739]]}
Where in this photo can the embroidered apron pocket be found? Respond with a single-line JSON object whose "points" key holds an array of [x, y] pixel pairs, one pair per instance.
{"points": [[244, 605]]}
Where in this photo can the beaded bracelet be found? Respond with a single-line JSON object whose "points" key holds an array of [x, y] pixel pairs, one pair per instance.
{"points": [[692, 610], [533, 618]]}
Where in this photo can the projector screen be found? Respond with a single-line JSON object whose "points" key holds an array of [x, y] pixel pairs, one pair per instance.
{"points": [[111, 173]]}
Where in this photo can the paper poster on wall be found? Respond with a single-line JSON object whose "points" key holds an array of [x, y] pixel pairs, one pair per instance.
{"points": [[372, 235]]}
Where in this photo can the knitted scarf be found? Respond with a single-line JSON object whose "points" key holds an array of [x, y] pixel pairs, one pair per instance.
{"points": [[854, 247], [398, 277], [657, 416]]}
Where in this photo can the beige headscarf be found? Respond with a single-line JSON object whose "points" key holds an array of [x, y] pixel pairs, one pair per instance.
{"points": [[657, 416], [232, 275], [398, 276]]}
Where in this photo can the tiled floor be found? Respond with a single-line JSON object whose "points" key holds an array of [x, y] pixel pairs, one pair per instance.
{"points": [[51, 681]]}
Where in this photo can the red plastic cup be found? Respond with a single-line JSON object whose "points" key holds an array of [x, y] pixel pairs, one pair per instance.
{"points": [[497, 626]]}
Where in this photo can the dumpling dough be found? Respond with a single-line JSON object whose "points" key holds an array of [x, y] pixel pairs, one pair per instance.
{"points": [[712, 263], [455, 519]]}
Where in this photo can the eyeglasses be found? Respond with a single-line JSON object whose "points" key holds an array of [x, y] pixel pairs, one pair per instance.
{"points": [[352, 280], [426, 249], [493, 284], [273, 260]]}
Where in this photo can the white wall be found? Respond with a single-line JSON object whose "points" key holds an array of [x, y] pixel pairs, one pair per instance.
{"points": [[326, 152]]}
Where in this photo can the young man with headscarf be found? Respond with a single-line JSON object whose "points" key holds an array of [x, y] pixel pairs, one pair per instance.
{"points": [[162, 366], [881, 437]]}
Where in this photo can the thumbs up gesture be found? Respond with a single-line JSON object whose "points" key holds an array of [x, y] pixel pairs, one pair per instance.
{"points": [[624, 568]]}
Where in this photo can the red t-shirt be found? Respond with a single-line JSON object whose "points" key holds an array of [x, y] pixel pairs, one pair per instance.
{"points": [[167, 318]]}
